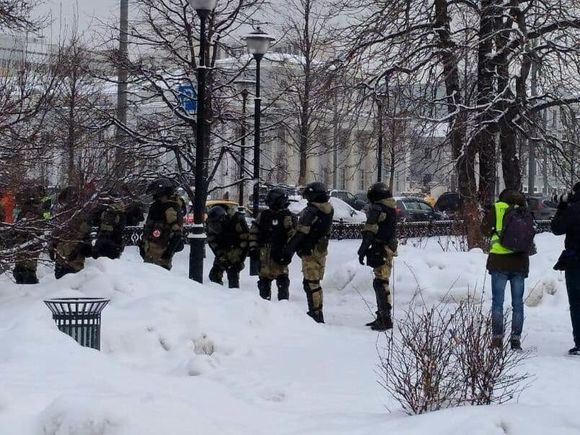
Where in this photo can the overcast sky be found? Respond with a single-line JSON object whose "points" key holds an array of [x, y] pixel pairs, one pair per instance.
{"points": [[89, 12]]}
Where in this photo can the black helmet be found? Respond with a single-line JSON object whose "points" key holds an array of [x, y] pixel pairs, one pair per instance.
{"points": [[161, 187], [277, 199], [216, 214], [378, 191], [316, 192]]}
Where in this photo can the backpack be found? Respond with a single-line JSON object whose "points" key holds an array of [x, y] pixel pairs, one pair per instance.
{"points": [[518, 230]]}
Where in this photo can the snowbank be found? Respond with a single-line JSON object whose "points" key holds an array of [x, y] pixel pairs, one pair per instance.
{"points": [[182, 358], [342, 211]]}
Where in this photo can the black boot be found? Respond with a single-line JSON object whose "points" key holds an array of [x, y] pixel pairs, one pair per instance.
{"points": [[317, 316], [384, 322], [373, 322], [265, 287], [314, 298], [216, 275], [233, 279], [283, 284]]}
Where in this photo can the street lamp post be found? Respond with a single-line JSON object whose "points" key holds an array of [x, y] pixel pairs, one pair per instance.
{"points": [[243, 88], [197, 238], [380, 144], [258, 43]]}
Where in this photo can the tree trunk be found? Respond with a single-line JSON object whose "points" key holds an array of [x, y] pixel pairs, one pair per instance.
{"points": [[486, 125], [463, 153]]}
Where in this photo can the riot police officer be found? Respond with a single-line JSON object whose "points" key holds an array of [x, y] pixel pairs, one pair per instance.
{"points": [[379, 246], [71, 238], [227, 236], [29, 222], [269, 238], [163, 230], [311, 244], [110, 219]]}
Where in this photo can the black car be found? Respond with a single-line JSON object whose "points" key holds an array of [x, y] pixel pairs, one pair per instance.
{"points": [[411, 209], [449, 203]]}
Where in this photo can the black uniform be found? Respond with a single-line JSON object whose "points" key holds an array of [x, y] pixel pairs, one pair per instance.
{"points": [[311, 244], [110, 221], [227, 236], [379, 246], [269, 238], [567, 221]]}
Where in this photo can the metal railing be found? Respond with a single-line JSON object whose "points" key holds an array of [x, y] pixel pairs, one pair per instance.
{"points": [[345, 231]]}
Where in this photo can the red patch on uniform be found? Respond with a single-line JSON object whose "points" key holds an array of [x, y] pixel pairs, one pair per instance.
{"points": [[156, 233]]}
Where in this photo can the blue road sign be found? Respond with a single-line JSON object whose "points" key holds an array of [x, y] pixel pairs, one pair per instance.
{"points": [[187, 98]]}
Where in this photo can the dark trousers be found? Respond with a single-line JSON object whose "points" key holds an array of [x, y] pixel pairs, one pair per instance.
{"points": [[573, 287]]}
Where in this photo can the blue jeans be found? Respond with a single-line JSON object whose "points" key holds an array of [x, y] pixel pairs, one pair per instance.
{"points": [[498, 283]]}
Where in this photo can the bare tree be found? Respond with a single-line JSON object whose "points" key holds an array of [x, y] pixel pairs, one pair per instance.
{"points": [[162, 67]]}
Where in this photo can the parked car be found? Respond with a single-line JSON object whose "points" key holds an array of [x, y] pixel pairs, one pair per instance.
{"points": [[542, 208], [188, 218], [412, 209], [349, 198], [449, 204]]}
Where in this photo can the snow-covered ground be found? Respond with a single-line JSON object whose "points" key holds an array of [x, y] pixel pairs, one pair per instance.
{"points": [[181, 358]]}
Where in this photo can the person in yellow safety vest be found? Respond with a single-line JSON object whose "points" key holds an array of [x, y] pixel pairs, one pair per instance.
{"points": [[505, 265]]}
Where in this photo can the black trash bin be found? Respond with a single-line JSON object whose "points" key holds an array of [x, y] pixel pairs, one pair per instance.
{"points": [[80, 318]]}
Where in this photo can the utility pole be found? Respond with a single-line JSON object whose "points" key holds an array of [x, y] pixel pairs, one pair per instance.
{"points": [[122, 77]]}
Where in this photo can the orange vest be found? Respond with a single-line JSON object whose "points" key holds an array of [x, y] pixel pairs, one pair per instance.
{"points": [[7, 201]]}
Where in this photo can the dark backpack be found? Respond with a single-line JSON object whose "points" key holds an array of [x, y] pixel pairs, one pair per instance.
{"points": [[518, 230]]}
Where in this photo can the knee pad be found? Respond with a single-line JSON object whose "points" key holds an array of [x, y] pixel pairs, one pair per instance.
{"points": [[313, 295]]}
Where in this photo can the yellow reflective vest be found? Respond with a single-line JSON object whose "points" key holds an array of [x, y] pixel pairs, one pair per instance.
{"points": [[496, 246]]}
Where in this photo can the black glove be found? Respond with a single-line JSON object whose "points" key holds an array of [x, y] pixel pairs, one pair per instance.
{"points": [[175, 245], [142, 251], [364, 247]]}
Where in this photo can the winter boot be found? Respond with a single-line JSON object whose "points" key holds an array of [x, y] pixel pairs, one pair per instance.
{"points": [[283, 284], [216, 275], [384, 322], [515, 343], [317, 316], [574, 351], [233, 279], [265, 288]]}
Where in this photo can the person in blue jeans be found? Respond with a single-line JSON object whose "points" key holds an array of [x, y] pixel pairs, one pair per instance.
{"points": [[567, 221], [505, 266]]}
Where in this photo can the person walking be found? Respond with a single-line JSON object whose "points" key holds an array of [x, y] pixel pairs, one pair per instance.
{"points": [[506, 221], [567, 221], [311, 244], [269, 237], [379, 246]]}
